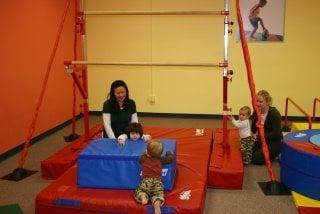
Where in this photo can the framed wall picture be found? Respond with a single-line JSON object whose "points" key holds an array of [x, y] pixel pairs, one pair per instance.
{"points": [[263, 20]]}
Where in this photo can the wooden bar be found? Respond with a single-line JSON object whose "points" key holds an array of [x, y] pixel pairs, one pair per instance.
{"points": [[156, 12], [148, 63]]}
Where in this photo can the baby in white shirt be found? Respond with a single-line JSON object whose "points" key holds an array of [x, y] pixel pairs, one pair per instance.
{"points": [[247, 141]]}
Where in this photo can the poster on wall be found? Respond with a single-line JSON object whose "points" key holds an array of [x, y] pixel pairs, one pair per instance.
{"points": [[263, 20]]}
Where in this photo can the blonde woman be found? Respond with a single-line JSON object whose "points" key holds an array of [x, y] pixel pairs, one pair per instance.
{"points": [[271, 120]]}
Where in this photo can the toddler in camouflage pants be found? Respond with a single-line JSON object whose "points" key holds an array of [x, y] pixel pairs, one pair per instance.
{"points": [[151, 187], [247, 141]]}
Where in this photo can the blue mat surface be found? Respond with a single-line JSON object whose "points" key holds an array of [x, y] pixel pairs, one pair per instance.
{"points": [[315, 139], [300, 170], [301, 135]]}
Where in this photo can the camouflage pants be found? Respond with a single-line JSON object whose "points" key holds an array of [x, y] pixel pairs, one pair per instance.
{"points": [[246, 147], [152, 187]]}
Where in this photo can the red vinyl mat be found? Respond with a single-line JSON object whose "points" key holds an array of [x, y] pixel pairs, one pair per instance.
{"points": [[188, 195], [226, 168], [62, 160]]}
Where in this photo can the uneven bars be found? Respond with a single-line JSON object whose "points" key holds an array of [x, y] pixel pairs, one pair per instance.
{"points": [[146, 63], [223, 12]]}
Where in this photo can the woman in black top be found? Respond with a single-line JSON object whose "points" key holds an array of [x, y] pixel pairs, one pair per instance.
{"points": [[271, 119], [118, 110]]}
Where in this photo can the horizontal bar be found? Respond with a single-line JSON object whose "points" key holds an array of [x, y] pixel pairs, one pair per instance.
{"points": [[147, 63], [156, 12]]}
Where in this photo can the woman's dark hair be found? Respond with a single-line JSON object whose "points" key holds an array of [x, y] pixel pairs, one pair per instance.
{"points": [[133, 127], [115, 84]]}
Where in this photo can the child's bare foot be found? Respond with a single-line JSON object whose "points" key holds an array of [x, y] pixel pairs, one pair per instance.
{"points": [[157, 205], [144, 199]]}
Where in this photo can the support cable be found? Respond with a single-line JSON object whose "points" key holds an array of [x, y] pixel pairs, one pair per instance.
{"points": [[43, 88]]}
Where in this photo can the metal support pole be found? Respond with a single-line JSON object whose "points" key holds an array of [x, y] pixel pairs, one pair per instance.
{"points": [[225, 78]]}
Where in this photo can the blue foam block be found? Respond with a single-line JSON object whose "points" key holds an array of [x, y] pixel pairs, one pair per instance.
{"points": [[300, 171], [106, 164]]}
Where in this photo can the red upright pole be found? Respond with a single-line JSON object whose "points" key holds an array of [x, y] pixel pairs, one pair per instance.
{"points": [[75, 44], [84, 75]]}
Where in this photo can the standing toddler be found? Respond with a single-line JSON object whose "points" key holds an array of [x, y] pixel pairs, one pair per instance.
{"points": [[247, 141]]}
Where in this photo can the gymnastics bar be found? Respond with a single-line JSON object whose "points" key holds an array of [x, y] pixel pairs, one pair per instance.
{"points": [[314, 109], [224, 12], [300, 109], [224, 64]]}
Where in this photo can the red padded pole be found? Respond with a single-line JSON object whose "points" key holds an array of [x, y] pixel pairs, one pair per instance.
{"points": [[260, 126]]}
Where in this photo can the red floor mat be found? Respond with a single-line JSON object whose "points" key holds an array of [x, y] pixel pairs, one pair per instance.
{"points": [[188, 195], [62, 160], [226, 168], [309, 210]]}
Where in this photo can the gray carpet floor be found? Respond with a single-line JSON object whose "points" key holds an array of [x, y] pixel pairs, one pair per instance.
{"points": [[250, 199]]}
